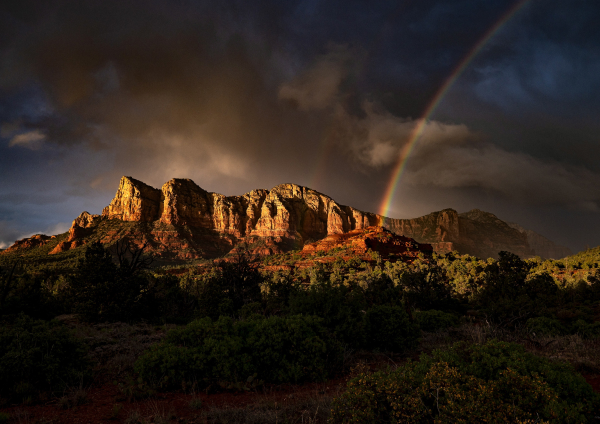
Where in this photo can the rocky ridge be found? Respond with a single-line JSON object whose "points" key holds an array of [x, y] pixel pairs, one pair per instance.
{"points": [[377, 239], [36, 240], [182, 221]]}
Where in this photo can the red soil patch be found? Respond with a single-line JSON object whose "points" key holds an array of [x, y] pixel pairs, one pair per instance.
{"points": [[594, 381], [101, 403]]}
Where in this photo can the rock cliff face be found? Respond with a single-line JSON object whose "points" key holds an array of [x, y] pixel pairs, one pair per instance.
{"points": [[182, 221], [134, 201], [442, 226], [484, 235], [477, 233], [81, 227]]}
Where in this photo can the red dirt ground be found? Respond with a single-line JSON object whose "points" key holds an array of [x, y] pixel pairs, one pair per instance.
{"points": [[594, 381], [102, 400]]}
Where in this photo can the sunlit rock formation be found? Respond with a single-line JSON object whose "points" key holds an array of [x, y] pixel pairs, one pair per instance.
{"points": [[182, 221]]}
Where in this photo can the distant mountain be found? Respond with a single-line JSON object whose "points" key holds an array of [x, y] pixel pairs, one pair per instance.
{"points": [[182, 221], [541, 245], [477, 233]]}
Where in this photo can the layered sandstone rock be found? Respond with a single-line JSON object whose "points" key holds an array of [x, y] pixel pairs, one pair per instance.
{"points": [[134, 201], [82, 226], [289, 214], [483, 234], [184, 221], [442, 226]]}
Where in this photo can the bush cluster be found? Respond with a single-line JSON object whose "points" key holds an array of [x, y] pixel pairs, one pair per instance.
{"points": [[493, 383], [275, 349], [547, 326], [434, 320], [38, 356]]}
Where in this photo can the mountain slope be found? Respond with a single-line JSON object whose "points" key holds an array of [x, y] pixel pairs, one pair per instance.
{"points": [[541, 245]]}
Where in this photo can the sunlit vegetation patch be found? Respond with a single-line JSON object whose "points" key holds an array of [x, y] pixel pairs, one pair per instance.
{"points": [[494, 382]]}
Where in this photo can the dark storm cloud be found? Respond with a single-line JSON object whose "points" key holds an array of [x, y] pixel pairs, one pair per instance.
{"points": [[177, 86], [239, 95]]}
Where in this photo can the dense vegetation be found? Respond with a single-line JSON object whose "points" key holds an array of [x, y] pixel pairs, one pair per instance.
{"points": [[37, 357], [495, 383], [240, 326], [225, 352]]}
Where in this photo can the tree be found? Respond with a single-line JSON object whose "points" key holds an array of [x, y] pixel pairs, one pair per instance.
{"points": [[103, 291], [230, 284]]}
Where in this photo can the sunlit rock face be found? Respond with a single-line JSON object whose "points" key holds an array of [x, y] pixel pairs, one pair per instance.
{"points": [[287, 210], [134, 201], [184, 221], [81, 226], [378, 239]]}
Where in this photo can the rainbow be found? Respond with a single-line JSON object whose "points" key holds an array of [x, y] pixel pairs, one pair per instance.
{"points": [[435, 102]]}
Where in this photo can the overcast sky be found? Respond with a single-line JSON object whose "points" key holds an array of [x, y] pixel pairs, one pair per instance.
{"points": [[238, 95]]}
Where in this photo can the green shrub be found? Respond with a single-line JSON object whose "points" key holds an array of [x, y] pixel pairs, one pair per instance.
{"points": [[228, 286], [38, 356], [544, 326], [423, 284], [433, 320], [338, 306], [586, 330], [389, 328], [276, 349], [554, 327], [495, 383]]}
